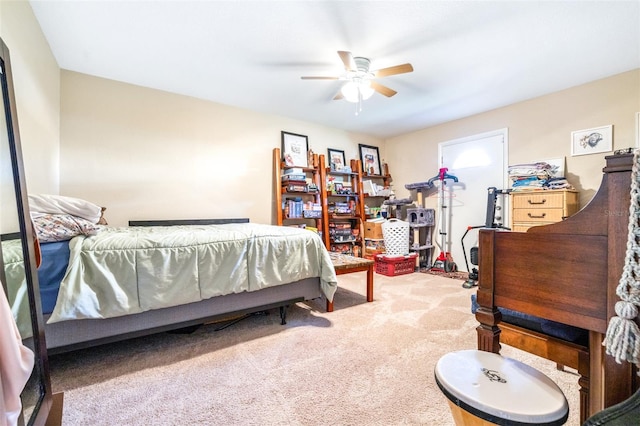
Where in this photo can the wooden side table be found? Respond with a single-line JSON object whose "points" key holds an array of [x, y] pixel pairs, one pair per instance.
{"points": [[345, 264]]}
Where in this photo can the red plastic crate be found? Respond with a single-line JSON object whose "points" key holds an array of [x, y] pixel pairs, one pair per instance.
{"points": [[396, 265]]}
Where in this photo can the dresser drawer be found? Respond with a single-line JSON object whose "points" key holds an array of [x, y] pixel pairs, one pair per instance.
{"points": [[538, 215], [537, 208], [540, 200]]}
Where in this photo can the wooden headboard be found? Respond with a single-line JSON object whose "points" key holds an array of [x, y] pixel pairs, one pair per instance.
{"points": [[566, 272], [187, 222]]}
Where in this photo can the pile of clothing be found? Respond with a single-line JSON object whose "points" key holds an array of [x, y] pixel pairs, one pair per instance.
{"points": [[536, 176]]}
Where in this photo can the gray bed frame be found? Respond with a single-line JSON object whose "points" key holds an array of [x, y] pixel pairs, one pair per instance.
{"points": [[71, 335]]}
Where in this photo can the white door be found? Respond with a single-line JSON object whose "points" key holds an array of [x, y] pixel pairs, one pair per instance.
{"points": [[478, 162]]}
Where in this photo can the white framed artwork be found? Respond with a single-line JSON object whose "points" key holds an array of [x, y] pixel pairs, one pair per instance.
{"points": [[294, 149], [592, 141]]}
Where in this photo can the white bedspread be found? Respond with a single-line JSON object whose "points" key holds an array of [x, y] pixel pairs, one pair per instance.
{"points": [[124, 271]]}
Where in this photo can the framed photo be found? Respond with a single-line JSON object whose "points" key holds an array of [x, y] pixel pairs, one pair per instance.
{"points": [[337, 161], [592, 141], [370, 158], [294, 150]]}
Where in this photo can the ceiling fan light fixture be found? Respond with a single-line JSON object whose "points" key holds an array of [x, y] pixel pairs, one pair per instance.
{"points": [[360, 80], [357, 91]]}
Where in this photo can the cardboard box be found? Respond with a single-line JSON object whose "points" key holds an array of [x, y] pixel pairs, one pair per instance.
{"points": [[370, 253], [373, 230]]}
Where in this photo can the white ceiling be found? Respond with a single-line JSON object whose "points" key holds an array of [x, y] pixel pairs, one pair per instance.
{"points": [[468, 56]]}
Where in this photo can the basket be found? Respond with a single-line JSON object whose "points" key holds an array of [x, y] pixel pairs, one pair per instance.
{"points": [[396, 237], [392, 266]]}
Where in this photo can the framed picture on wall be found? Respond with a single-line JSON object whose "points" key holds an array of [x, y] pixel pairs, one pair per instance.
{"points": [[592, 141], [336, 159], [370, 158], [294, 149]]}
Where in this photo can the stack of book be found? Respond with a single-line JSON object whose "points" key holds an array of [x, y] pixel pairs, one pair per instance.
{"points": [[341, 208], [293, 208], [312, 210], [294, 180], [341, 232]]}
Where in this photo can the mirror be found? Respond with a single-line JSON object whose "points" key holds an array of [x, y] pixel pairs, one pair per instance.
{"points": [[18, 274]]}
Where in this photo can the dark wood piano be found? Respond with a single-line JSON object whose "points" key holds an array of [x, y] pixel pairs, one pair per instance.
{"points": [[566, 272]]}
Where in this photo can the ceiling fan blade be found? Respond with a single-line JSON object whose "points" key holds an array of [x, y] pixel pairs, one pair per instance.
{"points": [[338, 96], [320, 78], [347, 60], [398, 69], [383, 90]]}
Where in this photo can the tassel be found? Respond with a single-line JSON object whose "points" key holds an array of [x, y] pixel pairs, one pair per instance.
{"points": [[623, 335]]}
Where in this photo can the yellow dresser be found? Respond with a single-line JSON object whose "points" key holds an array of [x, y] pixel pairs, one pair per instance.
{"points": [[534, 208]]}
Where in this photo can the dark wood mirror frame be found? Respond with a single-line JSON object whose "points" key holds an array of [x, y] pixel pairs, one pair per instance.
{"points": [[38, 414]]}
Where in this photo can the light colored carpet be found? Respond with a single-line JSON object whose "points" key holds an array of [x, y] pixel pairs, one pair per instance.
{"points": [[363, 364]]}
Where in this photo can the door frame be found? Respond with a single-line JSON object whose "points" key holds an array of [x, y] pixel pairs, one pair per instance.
{"points": [[504, 132]]}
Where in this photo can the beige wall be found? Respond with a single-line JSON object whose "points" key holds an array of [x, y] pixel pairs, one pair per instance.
{"points": [[148, 154], [36, 79], [538, 129]]}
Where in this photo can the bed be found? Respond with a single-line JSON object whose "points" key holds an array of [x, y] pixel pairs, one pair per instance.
{"points": [[565, 272], [115, 283]]}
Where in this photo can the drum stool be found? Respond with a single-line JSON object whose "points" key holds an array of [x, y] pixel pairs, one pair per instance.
{"points": [[484, 388]]}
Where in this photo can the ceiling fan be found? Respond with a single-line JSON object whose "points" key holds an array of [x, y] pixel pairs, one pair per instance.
{"points": [[360, 80]]}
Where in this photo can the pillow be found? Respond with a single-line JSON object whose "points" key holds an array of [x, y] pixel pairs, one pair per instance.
{"points": [[41, 204], [61, 227]]}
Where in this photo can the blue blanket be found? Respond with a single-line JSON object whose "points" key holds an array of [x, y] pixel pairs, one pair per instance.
{"points": [[55, 258]]}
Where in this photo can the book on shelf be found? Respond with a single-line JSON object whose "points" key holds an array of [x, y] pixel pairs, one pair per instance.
{"points": [[293, 171], [296, 208], [293, 177], [369, 188], [295, 187]]}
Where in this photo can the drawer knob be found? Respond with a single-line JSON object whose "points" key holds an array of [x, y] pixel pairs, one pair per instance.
{"points": [[533, 216], [537, 202]]}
